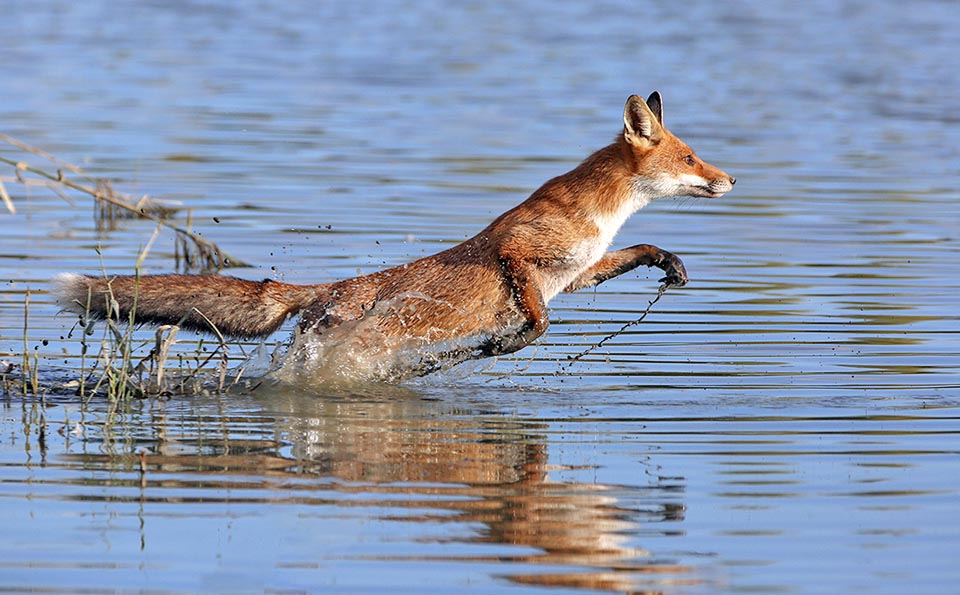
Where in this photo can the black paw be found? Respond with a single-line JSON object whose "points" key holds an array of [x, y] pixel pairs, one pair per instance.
{"points": [[511, 339], [676, 273]]}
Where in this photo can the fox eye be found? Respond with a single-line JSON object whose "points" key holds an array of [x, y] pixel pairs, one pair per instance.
{"points": [[689, 160]]}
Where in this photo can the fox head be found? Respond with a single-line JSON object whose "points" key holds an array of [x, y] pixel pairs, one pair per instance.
{"points": [[662, 164]]}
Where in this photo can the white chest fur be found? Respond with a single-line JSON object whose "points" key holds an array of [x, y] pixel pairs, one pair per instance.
{"points": [[585, 253], [579, 258]]}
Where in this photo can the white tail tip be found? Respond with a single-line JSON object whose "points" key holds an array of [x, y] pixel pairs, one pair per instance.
{"points": [[69, 289]]}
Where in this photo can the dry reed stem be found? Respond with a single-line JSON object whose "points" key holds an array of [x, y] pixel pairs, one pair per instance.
{"points": [[113, 204], [6, 199], [163, 349], [221, 349], [26, 346], [120, 376], [40, 153]]}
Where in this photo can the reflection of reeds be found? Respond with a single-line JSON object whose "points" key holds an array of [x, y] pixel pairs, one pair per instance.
{"points": [[193, 251]]}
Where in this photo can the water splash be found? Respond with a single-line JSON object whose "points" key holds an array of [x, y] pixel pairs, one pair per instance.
{"points": [[361, 351]]}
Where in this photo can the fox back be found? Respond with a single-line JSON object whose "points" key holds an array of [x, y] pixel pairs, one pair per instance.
{"points": [[486, 296]]}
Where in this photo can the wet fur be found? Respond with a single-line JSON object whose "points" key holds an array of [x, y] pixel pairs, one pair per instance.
{"points": [[494, 285]]}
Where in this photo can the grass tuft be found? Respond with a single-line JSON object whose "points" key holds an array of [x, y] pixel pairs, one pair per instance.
{"points": [[122, 365]]}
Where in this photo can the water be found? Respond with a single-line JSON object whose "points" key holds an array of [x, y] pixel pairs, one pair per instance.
{"points": [[786, 423]]}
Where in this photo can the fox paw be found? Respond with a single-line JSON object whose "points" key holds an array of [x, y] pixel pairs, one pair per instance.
{"points": [[676, 273]]}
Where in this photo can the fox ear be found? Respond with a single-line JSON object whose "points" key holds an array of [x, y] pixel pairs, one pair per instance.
{"points": [[655, 103], [640, 124]]}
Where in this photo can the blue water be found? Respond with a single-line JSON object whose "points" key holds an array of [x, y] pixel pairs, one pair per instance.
{"points": [[787, 423]]}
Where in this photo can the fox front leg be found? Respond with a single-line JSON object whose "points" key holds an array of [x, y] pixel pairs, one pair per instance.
{"points": [[521, 279], [618, 262]]}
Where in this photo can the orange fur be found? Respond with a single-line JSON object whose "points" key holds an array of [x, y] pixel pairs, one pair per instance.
{"points": [[494, 286]]}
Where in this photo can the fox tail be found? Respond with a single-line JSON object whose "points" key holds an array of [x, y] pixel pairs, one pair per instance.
{"points": [[234, 307]]}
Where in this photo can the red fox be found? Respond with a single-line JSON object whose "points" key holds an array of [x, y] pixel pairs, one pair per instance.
{"points": [[484, 297]]}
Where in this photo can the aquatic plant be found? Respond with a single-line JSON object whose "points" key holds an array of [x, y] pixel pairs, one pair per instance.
{"points": [[124, 365]]}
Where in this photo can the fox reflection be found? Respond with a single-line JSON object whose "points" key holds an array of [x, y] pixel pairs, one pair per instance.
{"points": [[495, 472]]}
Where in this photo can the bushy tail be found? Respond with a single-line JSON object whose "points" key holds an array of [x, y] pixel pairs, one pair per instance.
{"points": [[236, 307]]}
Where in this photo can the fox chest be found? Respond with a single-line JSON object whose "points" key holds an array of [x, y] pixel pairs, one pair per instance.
{"points": [[583, 253], [560, 271]]}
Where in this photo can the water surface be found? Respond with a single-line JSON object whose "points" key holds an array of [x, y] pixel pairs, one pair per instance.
{"points": [[787, 423]]}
